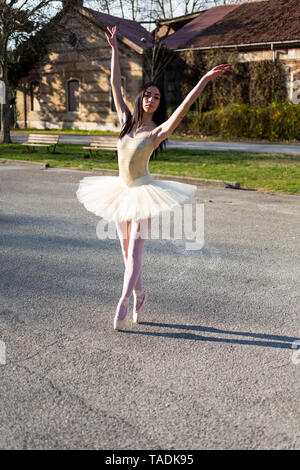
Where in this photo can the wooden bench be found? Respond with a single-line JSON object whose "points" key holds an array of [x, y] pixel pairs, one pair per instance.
{"points": [[42, 140], [102, 143]]}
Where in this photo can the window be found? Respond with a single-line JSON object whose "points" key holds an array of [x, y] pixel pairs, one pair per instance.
{"points": [[73, 40], [123, 89], [35, 95], [73, 95]]}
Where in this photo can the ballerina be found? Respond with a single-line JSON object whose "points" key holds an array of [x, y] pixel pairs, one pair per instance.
{"points": [[133, 198]]}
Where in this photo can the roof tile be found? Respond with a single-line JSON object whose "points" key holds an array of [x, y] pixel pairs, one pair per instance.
{"points": [[192, 29], [127, 28], [253, 22]]}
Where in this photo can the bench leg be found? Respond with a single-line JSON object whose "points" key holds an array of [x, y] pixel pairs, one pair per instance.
{"points": [[51, 148]]}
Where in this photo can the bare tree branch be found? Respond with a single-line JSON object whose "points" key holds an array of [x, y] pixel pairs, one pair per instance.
{"points": [[18, 21]]}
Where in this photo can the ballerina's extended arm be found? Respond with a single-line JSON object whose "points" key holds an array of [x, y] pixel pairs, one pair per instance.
{"points": [[164, 130], [115, 78]]}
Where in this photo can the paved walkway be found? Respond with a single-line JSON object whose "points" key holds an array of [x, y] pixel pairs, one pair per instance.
{"points": [[291, 149], [214, 363]]}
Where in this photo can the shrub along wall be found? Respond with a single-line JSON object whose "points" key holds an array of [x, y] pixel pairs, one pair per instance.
{"points": [[278, 121]]}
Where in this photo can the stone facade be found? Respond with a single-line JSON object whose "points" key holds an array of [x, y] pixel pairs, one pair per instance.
{"points": [[70, 88], [179, 83]]}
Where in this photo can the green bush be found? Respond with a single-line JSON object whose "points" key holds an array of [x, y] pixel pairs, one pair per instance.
{"points": [[278, 121]]}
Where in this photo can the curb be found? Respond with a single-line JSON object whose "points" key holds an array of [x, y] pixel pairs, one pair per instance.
{"points": [[180, 179], [4, 161]]}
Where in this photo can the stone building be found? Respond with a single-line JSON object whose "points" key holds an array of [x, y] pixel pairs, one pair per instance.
{"points": [[70, 87]]}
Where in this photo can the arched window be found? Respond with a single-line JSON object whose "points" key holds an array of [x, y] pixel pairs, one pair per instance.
{"points": [[35, 92], [73, 95], [73, 40], [123, 89]]}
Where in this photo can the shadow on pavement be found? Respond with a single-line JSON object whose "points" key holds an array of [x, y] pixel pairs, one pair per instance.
{"points": [[265, 340]]}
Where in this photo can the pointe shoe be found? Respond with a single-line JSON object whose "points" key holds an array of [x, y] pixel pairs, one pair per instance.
{"points": [[120, 320], [139, 302]]}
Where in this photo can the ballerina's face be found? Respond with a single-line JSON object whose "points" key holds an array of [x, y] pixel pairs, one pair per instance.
{"points": [[151, 99]]}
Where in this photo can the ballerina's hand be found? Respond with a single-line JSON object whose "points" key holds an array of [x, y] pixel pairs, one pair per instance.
{"points": [[112, 39], [217, 71]]}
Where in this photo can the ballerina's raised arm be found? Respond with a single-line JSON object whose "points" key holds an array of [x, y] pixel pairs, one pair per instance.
{"points": [[115, 78], [164, 130]]}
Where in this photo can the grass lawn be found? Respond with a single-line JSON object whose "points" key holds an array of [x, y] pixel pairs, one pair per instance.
{"points": [[176, 135], [269, 172]]}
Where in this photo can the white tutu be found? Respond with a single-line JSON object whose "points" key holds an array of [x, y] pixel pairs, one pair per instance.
{"points": [[111, 199], [134, 194]]}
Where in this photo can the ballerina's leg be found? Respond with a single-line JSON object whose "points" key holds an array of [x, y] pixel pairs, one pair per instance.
{"points": [[133, 267], [123, 229], [138, 288]]}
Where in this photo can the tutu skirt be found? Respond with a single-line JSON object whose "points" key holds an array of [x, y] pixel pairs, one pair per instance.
{"points": [[113, 200]]}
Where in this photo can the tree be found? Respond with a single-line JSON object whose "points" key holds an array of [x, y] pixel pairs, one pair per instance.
{"points": [[153, 10], [157, 58], [173, 8], [19, 22], [130, 9]]}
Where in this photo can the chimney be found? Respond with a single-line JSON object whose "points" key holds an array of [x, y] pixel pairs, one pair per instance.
{"points": [[77, 3]]}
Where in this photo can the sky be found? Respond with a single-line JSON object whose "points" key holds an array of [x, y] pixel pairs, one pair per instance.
{"points": [[178, 11], [116, 11]]}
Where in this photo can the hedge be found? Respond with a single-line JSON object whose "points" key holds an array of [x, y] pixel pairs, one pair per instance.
{"points": [[278, 121]]}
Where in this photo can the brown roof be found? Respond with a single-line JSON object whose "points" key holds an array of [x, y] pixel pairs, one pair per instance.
{"points": [[182, 18], [245, 23], [176, 23], [129, 29], [192, 29]]}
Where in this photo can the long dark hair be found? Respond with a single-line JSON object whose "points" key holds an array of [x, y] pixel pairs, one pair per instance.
{"points": [[135, 119]]}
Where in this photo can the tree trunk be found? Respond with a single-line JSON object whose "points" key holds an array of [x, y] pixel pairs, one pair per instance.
{"points": [[5, 130], [5, 121]]}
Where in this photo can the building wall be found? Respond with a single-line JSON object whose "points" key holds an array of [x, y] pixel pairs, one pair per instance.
{"points": [[90, 64], [290, 61], [178, 82]]}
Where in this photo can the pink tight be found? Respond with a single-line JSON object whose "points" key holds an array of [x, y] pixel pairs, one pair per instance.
{"points": [[132, 236]]}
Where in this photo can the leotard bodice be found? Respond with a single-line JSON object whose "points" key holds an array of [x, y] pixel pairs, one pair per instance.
{"points": [[133, 159]]}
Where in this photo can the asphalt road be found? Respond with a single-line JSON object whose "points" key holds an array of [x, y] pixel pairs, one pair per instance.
{"points": [[291, 149], [212, 365]]}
